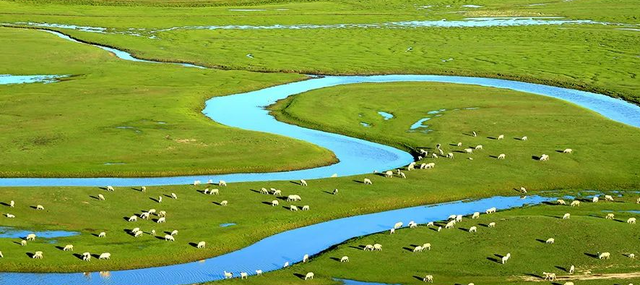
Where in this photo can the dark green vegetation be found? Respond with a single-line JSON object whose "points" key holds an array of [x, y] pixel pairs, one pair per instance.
{"points": [[460, 257], [599, 162]]}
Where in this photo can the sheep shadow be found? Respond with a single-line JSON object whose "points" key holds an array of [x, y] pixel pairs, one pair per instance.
{"points": [[267, 203], [358, 181], [299, 275], [335, 258], [518, 139], [18, 243], [5, 204], [193, 244], [155, 220], [562, 268], [492, 138], [493, 156], [30, 254], [137, 189], [559, 150], [202, 191], [484, 225], [359, 247], [549, 203], [33, 207], [535, 157], [252, 190], [168, 196], [418, 277], [534, 275], [541, 241], [103, 188], [460, 151], [159, 237], [328, 192], [591, 255], [78, 256], [464, 229], [126, 219], [408, 249], [95, 235], [493, 259], [95, 255], [379, 174], [296, 182], [498, 255], [154, 200], [217, 203], [94, 197], [129, 232]]}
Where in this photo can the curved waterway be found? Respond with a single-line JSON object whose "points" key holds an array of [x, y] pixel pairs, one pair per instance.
{"points": [[272, 252]]}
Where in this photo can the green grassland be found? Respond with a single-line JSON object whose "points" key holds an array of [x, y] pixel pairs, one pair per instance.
{"points": [[460, 257], [604, 162], [144, 116]]}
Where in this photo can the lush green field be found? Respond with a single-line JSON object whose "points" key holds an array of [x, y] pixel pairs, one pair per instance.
{"points": [[599, 162], [144, 117], [460, 257]]}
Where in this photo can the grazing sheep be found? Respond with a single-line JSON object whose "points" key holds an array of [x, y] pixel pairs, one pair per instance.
{"points": [[491, 210], [335, 191], [293, 208], [277, 193], [264, 191], [31, 237], [479, 147], [568, 150], [475, 215], [161, 220], [566, 216], [294, 198], [152, 211], [145, 215], [441, 152], [419, 157], [450, 155], [174, 232], [100, 197], [305, 208], [575, 203], [523, 190], [138, 234], [439, 229], [411, 166], [214, 192], [504, 259], [544, 157], [474, 134], [143, 189], [201, 244], [11, 216], [222, 183], [244, 275], [368, 247], [105, 255], [228, 275], [1, 255], [417, 249], [428, 278], [550, 241], [402, 175], [37, 255], [608, 198], [631, 221], [275, 203], [524, 138], [502, 156], [86, 256], [153, 232], [377, 247], [102, 234], [397, 225], [500, 137], [169, 238], [39, 207], [367, 181], [561, 202], [595, 199], [388, 174], [459, 144], [12, 204], [159, 199], [426, 246], [430, 224], [392, 231], [344, 259], [450, 225], [458, 218], [638, 201], [434, 155], [196, 183], [604, 255], [68, 247], [468, 150], [110, 188], [174, 196], [610, 216], [632, 256], [572, 269], [162, 214], [303, 182], [452, 217], [473, 229], [549, 276], [334, 175], [413, 225], [133, 218], [210, 181], [430, 165], [258, 272], [492, 225], [134, 230], [309, 276], [305, 258], [224, 203]]}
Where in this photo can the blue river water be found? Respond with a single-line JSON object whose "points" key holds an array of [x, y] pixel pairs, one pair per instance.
{"points": [[6, 79], [272, 252]]}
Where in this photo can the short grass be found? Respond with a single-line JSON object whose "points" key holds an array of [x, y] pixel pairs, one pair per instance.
{"points": [[604, 162], [116, 118], [460, 257]]}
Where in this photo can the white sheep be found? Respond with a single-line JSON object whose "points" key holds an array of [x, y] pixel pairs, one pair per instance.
{"points": [[439, 229], [502, 156], [411, 166], [595, 199], [224, 203], [228, 275], [417, 249], [632, 256], [105, 255], [388, 174], [100, 197], [196, 183], [568, 150], [1, 255], [110, 188], [264, 191], [434, 155], [608, 198], [475, 215], [143, 189], [377, 246], [450, 225], [430, 224], [309, 276], [174, 196], [12, 204], [293, 208], [145, 215], [631, 221], [474, 134], [610, 216], [303, 182], [138, 234], [402, 175], [201, 244], [544, 157], [473, 229], [413, 225], [161, 220], [23, 243], [479, 147], [31, 237], [275, 203], [259, 272], [37, 255], [458, 218], [392, 231], [210, 181], [305, 258], [500, 137], [335, 191], [368, 247], [159, 199], [575, 203], [169, 238], [397, 225], [367, 181], [452, 217], [426, 246], [133, 218], [504, 259], [162, 214], [549, 276], [102, 234], [450, 155], [39, 207], [566, 216], [459, 144], [430, 165], [550, 241], [568, 283], [524, 138], [244, 275], [572, 269], [492, 225], [174, 232], [68, 247], [604, 255], [277, 192], [468, 150], [638, 201], [222, 183], [561, 202], [491, 210], [86, 256], [11, 216], [344, 259], [294, 198], [214, 192], [152, 211], [305, 208], [428, 278]]}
